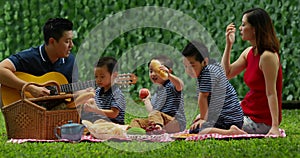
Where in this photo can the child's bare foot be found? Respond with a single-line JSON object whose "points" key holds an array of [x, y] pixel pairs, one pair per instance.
{"points": [[235, 130]]}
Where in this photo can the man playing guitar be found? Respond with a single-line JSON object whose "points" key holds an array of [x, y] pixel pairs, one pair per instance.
{"points": [[54, 55]]}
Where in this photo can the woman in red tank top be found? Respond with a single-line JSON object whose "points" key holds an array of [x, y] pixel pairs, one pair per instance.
{"points": [[263, 72]]}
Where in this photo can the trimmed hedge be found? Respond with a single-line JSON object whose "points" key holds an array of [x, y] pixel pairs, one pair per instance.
{"points": [[21, 22]]}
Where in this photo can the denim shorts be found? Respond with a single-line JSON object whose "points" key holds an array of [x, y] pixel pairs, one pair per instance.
{"points": [[252, 127]]}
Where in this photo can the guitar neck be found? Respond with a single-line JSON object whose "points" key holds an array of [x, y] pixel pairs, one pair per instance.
{"points": [[123, 80], [71, 87]]}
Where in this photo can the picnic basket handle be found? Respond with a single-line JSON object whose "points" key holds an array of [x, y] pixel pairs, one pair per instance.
{"points": [[23, 96]]}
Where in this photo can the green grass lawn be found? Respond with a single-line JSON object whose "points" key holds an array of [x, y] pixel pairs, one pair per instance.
{"points": [[268, 147]]}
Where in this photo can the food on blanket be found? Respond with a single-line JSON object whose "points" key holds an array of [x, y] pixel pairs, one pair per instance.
{"points": [[136, 131], [182, 135], [143, 93], [155, 64], [102, 129], [82, 98], [152, 129], [100, 121], [87, 123]]}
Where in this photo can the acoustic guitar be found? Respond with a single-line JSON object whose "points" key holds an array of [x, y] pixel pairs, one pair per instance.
{"points": [[10, 95]]}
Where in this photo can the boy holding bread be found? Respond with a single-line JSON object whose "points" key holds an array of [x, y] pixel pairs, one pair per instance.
{"points": [[166, 106]]}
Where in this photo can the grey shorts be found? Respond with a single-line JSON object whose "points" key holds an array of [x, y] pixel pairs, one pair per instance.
{"points": [[252, 127]]}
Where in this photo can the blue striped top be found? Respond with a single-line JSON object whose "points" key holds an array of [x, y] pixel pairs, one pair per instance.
{"points": [[223, 103], [168, 100], [113, 97]]}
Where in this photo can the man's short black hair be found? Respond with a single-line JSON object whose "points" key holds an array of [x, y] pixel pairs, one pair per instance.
{"points": [[55, 27]]}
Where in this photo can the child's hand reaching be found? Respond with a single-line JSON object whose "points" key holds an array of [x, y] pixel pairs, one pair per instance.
{"points": [[83, 98], [197, 124], [163, 69], [147, 101], [144, 93], [90, 106]]}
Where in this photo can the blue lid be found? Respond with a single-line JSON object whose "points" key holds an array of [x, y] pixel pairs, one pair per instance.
{"points": [[70, 124]]}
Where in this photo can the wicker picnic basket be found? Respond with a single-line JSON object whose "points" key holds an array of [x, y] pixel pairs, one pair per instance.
{"points": [[28, 119]]}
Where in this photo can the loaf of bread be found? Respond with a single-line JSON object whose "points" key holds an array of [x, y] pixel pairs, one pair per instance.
{"points": [[155, 64], [103, 129]]}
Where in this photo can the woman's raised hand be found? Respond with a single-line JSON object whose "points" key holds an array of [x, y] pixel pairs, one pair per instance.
{"points": [[230, 33]]}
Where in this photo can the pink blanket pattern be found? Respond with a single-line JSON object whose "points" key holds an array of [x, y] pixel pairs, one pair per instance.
{"points": [[239, 136], [152, 138]]}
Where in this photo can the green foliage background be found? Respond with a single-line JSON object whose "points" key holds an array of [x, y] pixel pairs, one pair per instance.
{"points": [[21, 22]]}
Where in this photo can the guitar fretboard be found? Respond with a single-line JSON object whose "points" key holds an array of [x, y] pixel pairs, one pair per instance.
{"points": [[71, 87], [123, 80]]}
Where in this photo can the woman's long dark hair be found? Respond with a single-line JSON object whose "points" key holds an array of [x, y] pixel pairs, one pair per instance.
{"points": [[264, 30]]}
